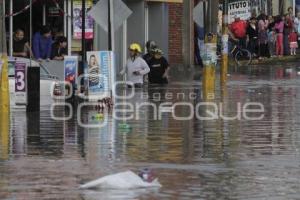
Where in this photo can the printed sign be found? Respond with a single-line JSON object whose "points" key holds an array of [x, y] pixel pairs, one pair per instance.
{"points": [[208, 50], [225, 47], [100, 73], [241, 9], [71, 67], [77, 20], [71, 70], [20, 83]]}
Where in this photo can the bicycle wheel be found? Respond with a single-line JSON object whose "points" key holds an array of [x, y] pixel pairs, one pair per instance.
{"points": [[243, 57]]}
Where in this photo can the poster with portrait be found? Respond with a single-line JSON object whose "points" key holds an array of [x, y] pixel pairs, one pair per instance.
{"points": [[100, 70], [77, 20], [70, 69]]}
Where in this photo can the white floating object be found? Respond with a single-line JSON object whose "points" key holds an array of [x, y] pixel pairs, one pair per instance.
{"points": [[123, 180]]}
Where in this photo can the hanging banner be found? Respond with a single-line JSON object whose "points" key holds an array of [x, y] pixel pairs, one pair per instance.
{"points": [[70, 71], [77, 20], [20, 83], [241, 9], [100, 73]]}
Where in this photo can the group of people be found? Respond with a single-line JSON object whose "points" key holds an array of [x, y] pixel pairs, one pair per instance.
{"points": [[153, 64], [267, 36], [43, 46]]}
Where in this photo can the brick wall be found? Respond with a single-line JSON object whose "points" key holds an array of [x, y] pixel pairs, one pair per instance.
{"points": [[175, 33]]}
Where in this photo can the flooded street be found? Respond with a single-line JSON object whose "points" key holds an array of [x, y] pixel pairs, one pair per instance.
{"points": [[42, 158]]}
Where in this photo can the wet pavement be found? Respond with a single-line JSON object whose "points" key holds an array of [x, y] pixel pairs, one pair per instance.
{"points": [[41, 158]]}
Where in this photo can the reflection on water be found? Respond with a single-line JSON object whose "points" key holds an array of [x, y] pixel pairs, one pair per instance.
{"points": [[194, 159]]}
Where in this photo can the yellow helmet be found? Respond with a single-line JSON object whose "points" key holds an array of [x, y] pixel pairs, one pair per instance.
{"points": [[135, 47]]}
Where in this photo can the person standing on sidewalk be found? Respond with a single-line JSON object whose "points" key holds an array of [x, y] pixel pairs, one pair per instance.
{"points": [[263, 36], [238, 28], [252, 37], [297, 26], [293, 37], [136, 67], [279, 26], [271, 36], [288, 27]]}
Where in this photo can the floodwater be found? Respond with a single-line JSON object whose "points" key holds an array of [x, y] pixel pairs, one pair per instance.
{"points": [[42, 158]]}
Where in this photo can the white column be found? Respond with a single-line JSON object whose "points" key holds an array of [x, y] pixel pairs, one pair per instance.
{"points": [[44, 14], [112, 25], [294, 7], [275, 6], [65, 18], [124, 55], [146, 25], [69, 28], [11, 28]]}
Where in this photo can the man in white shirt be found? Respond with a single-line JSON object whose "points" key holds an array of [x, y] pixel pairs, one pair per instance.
{"points": [[136, 67]]}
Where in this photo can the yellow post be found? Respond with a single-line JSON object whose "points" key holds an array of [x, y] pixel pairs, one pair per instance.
{"points": [[225, 37], [4, 135], [209, 70], [4, 109], [4, 86], [208, 82]]}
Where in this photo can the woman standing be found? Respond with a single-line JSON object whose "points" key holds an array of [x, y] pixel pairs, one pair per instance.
{"points": [[288, 27], [263, 36], [271, 36], [252, 37], [279, 26]]}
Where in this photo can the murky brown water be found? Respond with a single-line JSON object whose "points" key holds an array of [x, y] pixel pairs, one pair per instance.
{"points": [[240, 159]]}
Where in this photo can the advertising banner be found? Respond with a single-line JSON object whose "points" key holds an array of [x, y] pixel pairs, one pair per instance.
{"points": [[241, 9], [77, 20], [71, 70], [100, 73], [71, 67], [20, 83]]}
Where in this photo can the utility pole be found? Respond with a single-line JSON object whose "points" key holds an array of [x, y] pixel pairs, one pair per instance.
{"points": [[188, 32], [83, 44], [3, 48], [109, 25], [225, 38], [4, 83], [212, 16]]}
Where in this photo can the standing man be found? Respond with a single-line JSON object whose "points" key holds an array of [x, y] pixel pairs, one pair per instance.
{"points": [[136, 67], [42, 44], [159, 68], [238, 28], [150, 45]]}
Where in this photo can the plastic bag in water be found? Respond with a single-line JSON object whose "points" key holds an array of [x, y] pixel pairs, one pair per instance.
{"points": [[123, 180]]}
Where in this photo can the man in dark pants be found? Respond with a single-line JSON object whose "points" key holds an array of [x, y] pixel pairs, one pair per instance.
{"points": [[159, 68]]}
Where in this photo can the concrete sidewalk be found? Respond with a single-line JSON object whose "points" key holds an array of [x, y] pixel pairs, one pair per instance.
{"points": [[268, 61]]}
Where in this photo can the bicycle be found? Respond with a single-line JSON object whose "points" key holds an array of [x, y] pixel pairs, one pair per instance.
{"points": [[242, 57]]}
